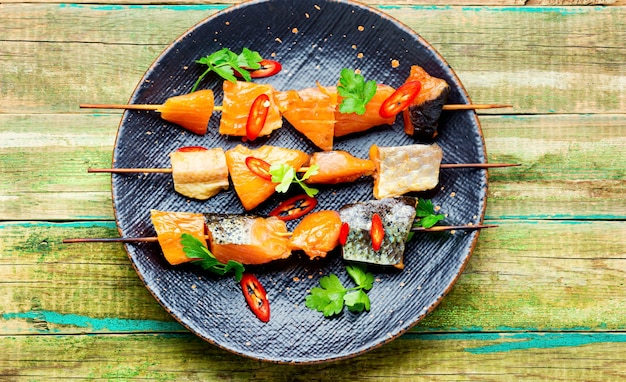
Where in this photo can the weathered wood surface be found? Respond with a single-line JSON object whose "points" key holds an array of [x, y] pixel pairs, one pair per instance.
{"points": [[386, 2], [541, 299]]}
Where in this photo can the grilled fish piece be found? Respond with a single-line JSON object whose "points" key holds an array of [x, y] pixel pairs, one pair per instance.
{"points": [[238, 98], [421, 119], [317, 233], [338, 167], [350, 123], [397, 215], [404, 169], [311, 111], [251, 189], [199, 173], [247, 239], [170, 226]]}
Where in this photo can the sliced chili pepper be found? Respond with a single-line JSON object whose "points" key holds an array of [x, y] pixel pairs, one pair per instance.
{"points": [[255, 296], [343, 233], [257, 116], [400, 99], [268, 68], [259, 167], [294, 207], [191, 148], [377, 232]]}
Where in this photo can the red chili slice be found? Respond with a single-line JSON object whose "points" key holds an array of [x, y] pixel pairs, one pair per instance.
{"points": [[257, 116], [343, 233], [294, 207], [191, 148], [268, 68], [377, 232], [400, 99], [255, 296], [259, 167]]}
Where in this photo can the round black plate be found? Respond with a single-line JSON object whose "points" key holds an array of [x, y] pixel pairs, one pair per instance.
{"points": [[313, 40]]}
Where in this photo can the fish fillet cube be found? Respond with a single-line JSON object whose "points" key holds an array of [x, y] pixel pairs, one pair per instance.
{"points": [[199, 174], [404, 169]]}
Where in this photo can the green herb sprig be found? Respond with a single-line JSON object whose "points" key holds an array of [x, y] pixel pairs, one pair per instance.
{"points": [[425, 212], [355, 91], [195, 249], [425, 216], [225, 62], [285, 175], [331, 296]]}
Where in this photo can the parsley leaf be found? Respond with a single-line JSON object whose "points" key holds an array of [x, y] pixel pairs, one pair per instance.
{"points": [[425, 211], [425, 214], [285, 175], [331, 296], [328, 298], [196, 250], [356, 93], [225, 62], [357, 301], [362, 278]]}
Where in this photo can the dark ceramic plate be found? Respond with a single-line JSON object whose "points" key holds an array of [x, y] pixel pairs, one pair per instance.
{"points": [[313, 40]]}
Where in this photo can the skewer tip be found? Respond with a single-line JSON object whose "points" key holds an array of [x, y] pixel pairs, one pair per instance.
{"points": [[454, 227]]}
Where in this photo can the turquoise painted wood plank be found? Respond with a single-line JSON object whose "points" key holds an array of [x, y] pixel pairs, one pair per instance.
{"points": [[504, 340]]}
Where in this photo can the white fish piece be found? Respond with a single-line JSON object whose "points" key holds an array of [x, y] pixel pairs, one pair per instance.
{"points": [[199, 174], [404, 169]]}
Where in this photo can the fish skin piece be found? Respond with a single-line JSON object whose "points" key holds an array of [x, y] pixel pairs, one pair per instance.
{"points": [[397, 215], [247, 239], [421, 118], [404, 169]]}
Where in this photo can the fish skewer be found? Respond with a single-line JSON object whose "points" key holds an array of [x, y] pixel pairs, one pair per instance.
{"points": [[156, 107], [154, 239], [168, 170], [250, 239], [193, 111], [201, 173], [418, 165]]}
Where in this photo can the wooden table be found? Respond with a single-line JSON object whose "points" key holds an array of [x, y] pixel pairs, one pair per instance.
{"points": [[543, 296]]}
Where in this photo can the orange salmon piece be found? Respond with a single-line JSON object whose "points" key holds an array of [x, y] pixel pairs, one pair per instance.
{"points": [[170, 226], [339, 167], [191, 111], [238, 98], [317, 233], [353, 123], [247, 239], [251, 189], [311, 111]]}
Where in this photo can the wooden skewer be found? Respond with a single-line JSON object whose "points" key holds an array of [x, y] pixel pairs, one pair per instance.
{"points": [[129, 106], [478, 165], [151, 239], [474, 106], [131, 170], [301, 169], [461, 106]]}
